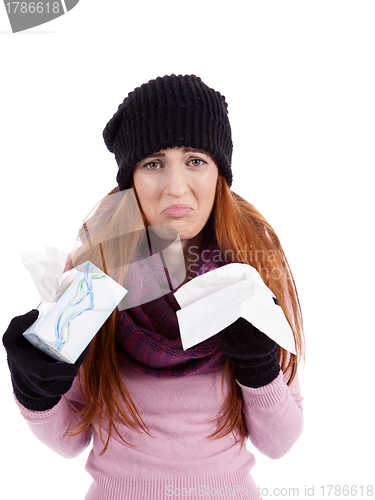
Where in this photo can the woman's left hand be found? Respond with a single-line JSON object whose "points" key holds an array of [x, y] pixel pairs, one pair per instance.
{"points": [[251, 351]]}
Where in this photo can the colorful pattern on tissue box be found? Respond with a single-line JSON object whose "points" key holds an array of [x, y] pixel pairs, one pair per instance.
{"points": [[68, 325]]}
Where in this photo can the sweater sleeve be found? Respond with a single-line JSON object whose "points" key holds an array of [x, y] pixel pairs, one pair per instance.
{"points": [[273, 415], [51, 427]]}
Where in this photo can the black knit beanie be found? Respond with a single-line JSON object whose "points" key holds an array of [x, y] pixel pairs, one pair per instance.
{"points": [[167, 112]]}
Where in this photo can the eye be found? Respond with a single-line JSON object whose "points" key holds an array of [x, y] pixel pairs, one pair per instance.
{"points": [[196, 162], [152, 165]]}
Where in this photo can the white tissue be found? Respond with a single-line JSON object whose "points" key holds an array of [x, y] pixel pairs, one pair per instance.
{"points": [[46, 269], [211, 302]]}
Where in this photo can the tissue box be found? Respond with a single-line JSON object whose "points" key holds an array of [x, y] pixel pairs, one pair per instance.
{"points": [[69, 324]]}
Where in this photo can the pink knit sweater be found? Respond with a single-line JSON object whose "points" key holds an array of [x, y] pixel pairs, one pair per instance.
{"points": [[179, 461]]}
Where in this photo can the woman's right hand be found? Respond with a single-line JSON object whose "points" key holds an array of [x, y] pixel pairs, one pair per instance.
{"points": [[38, 380]]}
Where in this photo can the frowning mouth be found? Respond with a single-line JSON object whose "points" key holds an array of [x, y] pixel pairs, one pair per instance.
{"points": [[177, 210]]}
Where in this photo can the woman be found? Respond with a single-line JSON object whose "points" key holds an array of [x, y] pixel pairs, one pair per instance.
{"points": [[168, 422]]}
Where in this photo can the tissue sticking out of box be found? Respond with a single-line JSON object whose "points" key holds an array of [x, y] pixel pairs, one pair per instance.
{"points": [[46, 269]]}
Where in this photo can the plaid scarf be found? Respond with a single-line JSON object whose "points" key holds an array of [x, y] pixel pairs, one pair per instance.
{"points": [[148, 336]]}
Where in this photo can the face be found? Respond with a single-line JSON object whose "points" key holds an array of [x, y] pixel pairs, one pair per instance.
{"points": [[176, 188]]}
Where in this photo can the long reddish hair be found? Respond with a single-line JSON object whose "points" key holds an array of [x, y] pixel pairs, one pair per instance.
{"points": [[244, 236]]}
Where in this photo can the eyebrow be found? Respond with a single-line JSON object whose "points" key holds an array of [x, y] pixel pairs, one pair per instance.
{"points": [[185, 150]]}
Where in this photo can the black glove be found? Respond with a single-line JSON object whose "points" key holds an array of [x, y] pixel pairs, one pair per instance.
{"points": [[38, 380], [251, 351]]}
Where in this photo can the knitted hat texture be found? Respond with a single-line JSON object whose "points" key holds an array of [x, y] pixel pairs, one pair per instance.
{"points": [[166, 112]]}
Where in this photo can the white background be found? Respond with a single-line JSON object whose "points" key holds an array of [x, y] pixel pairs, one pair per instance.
{"points": [[299, 79]]}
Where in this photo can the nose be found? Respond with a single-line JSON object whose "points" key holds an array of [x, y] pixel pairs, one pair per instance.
{"points": [[176, 181]]}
